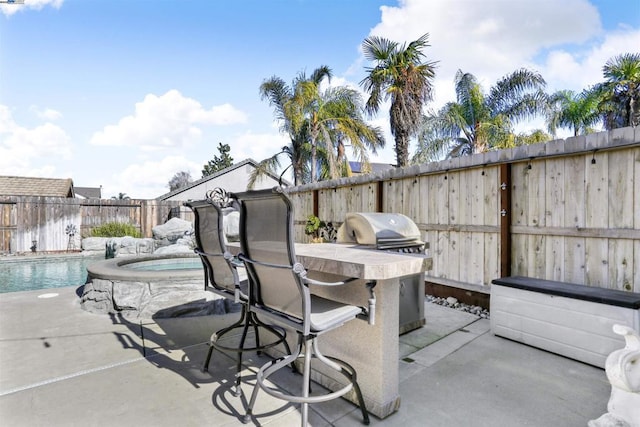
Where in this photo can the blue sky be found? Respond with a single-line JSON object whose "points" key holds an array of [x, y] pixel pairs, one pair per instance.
{"points": [[124, 94]]}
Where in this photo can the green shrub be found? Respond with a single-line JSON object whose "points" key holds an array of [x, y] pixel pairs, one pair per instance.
{"points": [[115, 229]]}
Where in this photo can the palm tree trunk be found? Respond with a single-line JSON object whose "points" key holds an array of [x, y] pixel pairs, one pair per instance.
{"points": [[314, 155], [633, 116], [402, 150]]}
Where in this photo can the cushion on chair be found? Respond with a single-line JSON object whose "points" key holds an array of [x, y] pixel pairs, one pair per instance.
{"points": [[328, 314]]}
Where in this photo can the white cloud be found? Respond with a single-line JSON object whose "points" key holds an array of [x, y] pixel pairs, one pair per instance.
{"points": [[257, 146], [149, 179], [30, 151], [46, 113], [10, 9], [167, 121], [577, 71], [490, 38]]}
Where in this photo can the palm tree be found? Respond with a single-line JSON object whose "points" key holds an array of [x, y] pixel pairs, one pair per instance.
{"points": [[401, 75], [272, 164], [477, 122], [329, 118], [620, 93], [121, 196], [279, 95], [576, 111], [318, 123]]}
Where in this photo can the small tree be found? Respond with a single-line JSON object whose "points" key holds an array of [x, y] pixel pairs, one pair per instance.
{"points": [[179, 180], [219, 162]]}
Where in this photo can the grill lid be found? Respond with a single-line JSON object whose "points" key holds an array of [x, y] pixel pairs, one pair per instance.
{"points": [[383, 230]]}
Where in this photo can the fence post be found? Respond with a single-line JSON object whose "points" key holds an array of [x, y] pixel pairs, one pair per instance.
{"points": [[505, 219]]}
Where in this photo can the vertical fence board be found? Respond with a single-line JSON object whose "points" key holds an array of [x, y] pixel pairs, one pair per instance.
{"points": [[574, 192], [555, 259], [411, 202], [554, 191], [635, 153], [555, 217], [491, 258], [466, 258], [324, 204], [596, 195], [438, 202], [519, 195], [636, 266], [520, 248], [369, 200], [453, 183], [491, 196], [536, 193], [620, 186], [536, 256], [466, 187], [574, 260], [620, 256], [596, 262], [393, 196], [476, 271]]}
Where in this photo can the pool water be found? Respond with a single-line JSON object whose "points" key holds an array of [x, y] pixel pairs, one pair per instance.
{"points": [[43, 273]]}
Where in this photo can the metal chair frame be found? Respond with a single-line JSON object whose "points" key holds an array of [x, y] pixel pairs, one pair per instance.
{"points": [[304, 325], [233, 292]]}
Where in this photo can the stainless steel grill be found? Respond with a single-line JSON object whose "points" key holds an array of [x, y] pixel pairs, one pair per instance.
{"points": [[384, 231], [397, 233]]}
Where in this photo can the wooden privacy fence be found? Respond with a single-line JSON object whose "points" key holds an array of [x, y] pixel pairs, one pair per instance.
{"points": [[43, 221], [566, 210]]}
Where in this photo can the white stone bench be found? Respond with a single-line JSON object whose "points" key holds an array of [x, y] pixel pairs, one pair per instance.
{"points": [[572, 320]]}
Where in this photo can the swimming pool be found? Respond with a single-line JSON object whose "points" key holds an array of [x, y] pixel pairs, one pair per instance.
{"points": [[26, 274]]}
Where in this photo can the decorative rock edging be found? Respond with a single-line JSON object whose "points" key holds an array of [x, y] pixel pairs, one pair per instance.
{"points": [[452, 302], [139, 294]]}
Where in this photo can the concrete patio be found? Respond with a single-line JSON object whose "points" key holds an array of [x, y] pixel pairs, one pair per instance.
{"points": [[62, 366]]}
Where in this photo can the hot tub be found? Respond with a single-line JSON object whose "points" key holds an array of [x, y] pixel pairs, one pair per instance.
{"points": [[168, 285]]}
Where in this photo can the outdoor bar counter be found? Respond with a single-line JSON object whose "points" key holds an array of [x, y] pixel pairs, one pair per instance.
{"points": [[373, 350]]}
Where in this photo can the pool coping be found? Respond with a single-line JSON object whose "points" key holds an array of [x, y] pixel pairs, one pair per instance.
{"points": [[112, 269], [50, 257]]}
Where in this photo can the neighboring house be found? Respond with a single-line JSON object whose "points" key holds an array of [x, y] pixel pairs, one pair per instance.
{"points": [[28, 186], [88, 192], [232, 179], [356, 167]]}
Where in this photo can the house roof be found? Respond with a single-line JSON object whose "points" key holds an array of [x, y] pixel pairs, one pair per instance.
{"points": [[88, 192], [29, 186], [356, 167], [217, 174]]}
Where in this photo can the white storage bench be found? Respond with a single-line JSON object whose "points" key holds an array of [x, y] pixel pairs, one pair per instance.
{"points": [[572, 320]]}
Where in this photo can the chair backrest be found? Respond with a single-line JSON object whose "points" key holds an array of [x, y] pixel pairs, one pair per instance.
{"points": [[210, 244], [267, 241]]}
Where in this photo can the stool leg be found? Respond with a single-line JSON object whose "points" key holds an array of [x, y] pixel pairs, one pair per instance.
{"points": [[349, 372], [219, 333], [205, 368], [264, 373], [278, 334], [306, 378], [256, 323], [237, 391]]}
